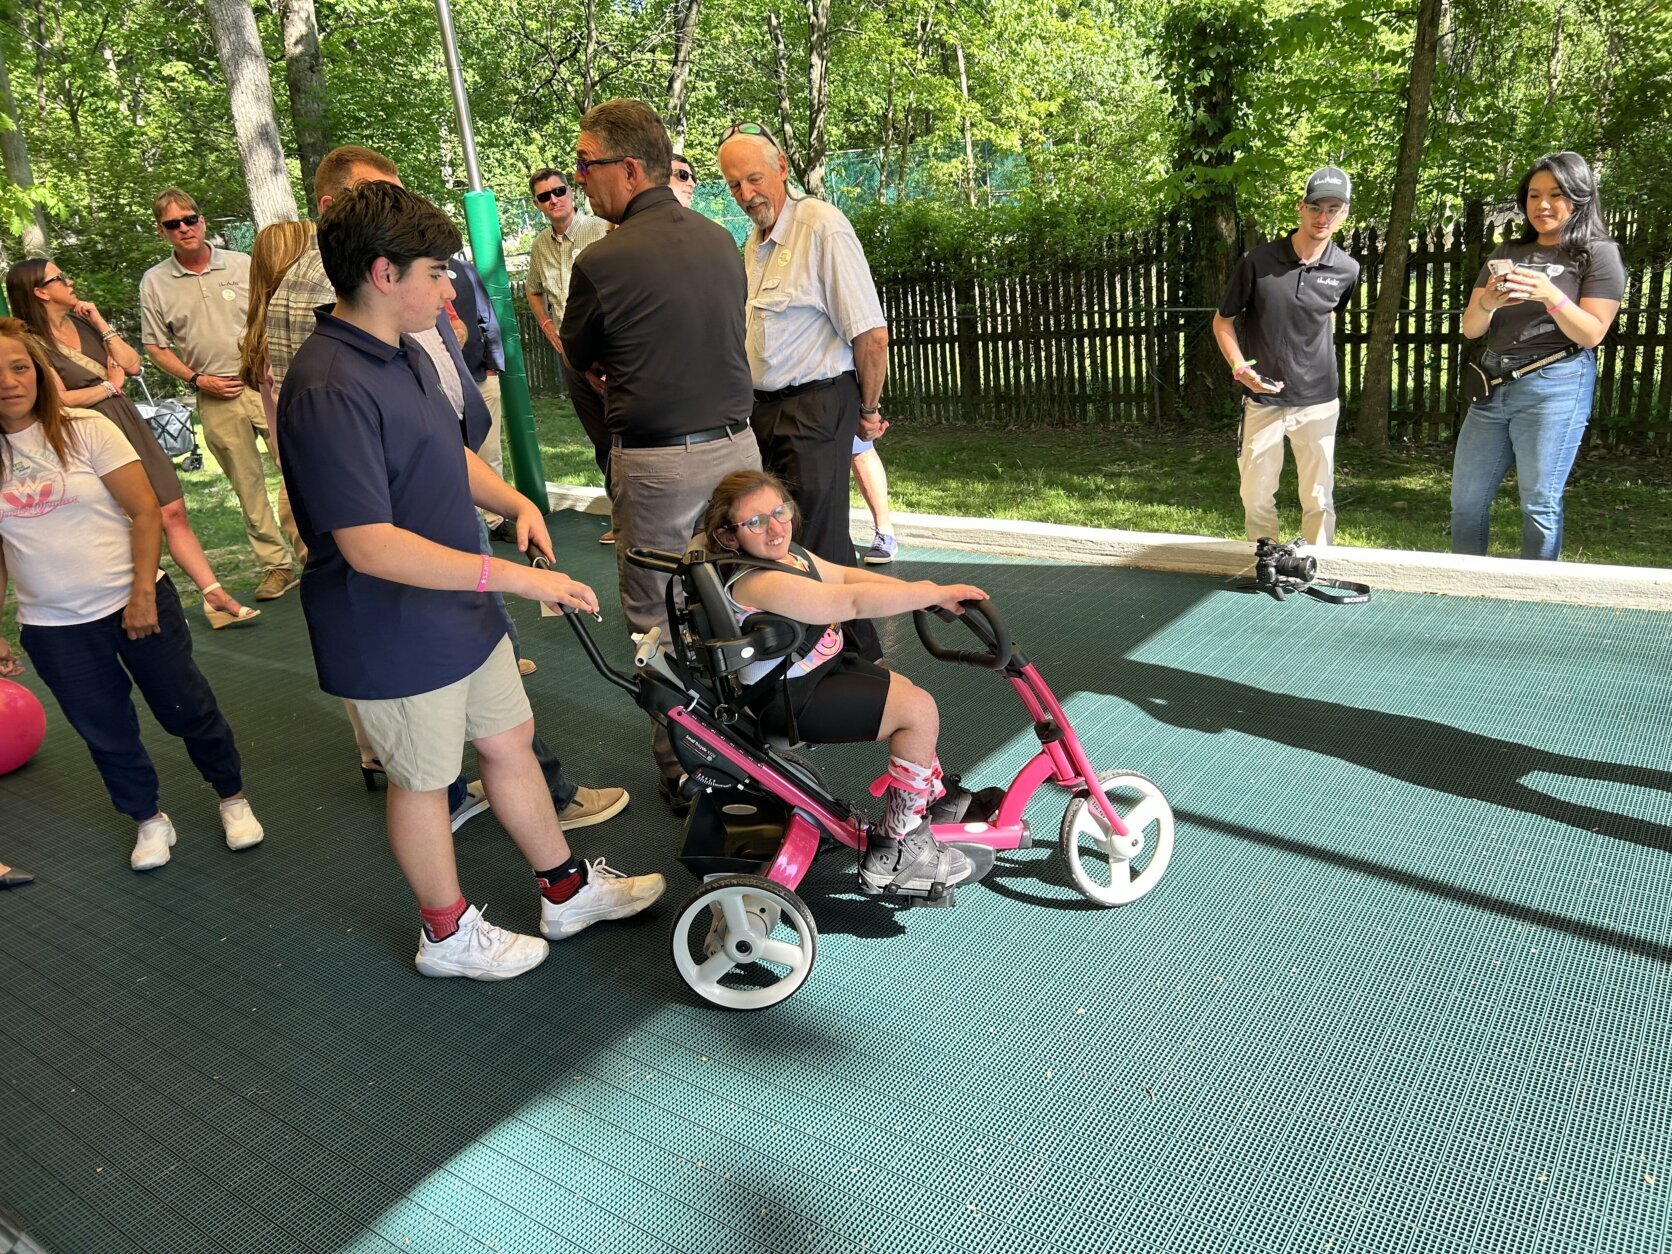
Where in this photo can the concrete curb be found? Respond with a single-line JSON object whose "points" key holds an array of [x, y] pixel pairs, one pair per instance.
{"points": [[1447, 574]]}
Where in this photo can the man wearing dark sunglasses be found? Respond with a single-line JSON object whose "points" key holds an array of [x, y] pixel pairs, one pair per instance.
{"points": [[818, 343], [682, 181], [192, 313]]}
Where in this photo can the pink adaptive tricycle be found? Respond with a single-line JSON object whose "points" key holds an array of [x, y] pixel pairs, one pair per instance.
{"points": [[743, 939]]}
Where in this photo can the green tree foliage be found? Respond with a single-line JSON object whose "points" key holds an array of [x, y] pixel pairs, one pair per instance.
{"points": [[1086, 104]]}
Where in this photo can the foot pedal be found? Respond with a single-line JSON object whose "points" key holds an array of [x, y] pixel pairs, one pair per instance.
{"points": [[981, 857]]}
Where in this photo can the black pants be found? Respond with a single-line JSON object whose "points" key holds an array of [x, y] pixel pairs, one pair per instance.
{"points": [[88, 667], [807, 441]]}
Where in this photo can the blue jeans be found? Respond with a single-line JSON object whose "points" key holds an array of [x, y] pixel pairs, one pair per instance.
{"points": [[1535, 423], [88, 667]]}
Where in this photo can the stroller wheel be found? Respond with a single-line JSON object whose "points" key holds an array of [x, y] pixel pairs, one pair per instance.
{"points": [[744, 942], [192, 461], [1110, 870]]}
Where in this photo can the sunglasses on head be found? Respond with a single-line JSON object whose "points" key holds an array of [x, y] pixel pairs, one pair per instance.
{"points": [[784, 514], [749, 128], [174, 224], [551, 193]]}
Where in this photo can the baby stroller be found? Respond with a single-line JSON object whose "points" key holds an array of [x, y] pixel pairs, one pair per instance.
{"points": [[744, 939], [171, 422]]}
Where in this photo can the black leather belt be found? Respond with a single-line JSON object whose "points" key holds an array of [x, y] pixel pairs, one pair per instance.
{"points": [[796, 389], [677, 441]]}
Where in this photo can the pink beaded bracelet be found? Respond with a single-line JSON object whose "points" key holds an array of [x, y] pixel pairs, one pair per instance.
{"points": [[482, 583]]}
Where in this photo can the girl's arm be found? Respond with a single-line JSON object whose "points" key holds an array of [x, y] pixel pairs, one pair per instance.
{"points": [[810, 601]]}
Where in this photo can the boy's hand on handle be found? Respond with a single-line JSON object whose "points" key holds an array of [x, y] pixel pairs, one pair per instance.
{"points": [[533, 538], [557, 590]]}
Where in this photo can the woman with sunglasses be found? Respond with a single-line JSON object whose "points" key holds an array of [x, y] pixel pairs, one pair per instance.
{"points": [[80, 535], [1550, 296], [831, 696], [90, 365]]}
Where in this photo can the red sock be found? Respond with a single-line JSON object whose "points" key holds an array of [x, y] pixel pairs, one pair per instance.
{"points": [[442, 923], [562, 882]]}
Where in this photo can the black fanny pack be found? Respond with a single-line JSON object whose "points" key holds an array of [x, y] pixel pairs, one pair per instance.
{"points": [[1478, 384]]}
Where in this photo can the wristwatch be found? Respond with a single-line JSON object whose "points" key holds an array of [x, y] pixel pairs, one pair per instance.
{"points": [[875, 409], [192, 382]]}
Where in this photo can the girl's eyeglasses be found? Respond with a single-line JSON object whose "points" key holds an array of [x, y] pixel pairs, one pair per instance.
{"points": [[784, 515]]}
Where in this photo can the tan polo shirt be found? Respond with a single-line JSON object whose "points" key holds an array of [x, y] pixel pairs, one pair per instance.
{"points": [[200, 316], [551, 261]]}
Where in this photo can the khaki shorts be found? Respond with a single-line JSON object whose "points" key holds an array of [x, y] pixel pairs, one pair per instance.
{"points": [[420, 739]]}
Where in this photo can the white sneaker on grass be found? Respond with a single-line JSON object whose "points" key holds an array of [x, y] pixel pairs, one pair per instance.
{"points": [[479, 951], [239, 823], [156, 837], [607, 894]]}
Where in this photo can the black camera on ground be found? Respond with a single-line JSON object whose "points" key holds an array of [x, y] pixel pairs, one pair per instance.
{"points": [[1276, 565]]}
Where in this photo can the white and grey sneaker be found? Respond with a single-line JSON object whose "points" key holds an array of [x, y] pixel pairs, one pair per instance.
{"points": [[882, 550], [479, 951], [475, 801], [607, 894], [151, 849], [241, 826], [913, 866]]}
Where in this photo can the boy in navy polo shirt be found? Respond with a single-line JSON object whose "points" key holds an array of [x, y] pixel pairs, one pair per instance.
{"points": [[1287, 294], [396, 591]]}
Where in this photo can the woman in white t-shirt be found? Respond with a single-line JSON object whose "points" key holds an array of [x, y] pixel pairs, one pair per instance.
{"points": [[80, 536]]}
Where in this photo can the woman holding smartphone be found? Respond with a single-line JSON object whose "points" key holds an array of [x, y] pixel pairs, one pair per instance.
{"points": [[1557, 298]]}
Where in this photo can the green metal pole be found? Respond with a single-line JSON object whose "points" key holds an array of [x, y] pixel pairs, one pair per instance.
{"points": [[481, 216]]}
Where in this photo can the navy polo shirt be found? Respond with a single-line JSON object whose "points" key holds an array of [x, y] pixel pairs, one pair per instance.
{"points": [[369, 437], [1285, 306]]}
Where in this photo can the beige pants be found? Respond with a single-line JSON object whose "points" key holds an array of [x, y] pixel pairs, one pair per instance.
{"points": [[1311, 432], [230, 428], [492, 450]]}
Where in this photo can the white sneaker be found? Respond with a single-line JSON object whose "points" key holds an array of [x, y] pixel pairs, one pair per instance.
{"points": [[607, 894], [475, 801], [480, 951], [156, 837], [239, 823]]}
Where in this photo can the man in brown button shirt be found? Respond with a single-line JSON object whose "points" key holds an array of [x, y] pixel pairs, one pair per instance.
{"points": [[192, 313]]}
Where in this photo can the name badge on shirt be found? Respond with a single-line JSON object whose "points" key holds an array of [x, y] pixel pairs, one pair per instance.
{"points": [[228, 293]]}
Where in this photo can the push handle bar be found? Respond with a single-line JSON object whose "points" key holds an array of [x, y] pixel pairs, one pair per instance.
{"points": [[659, 560]]}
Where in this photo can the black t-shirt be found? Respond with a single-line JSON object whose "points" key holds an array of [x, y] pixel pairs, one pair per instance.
{"points": [[1285, 308], [659, 303], [1526, 326]]}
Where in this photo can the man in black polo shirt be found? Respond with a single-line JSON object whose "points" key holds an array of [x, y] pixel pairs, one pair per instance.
{"points": [[1287, 293], [396, 592], [655, 319]]}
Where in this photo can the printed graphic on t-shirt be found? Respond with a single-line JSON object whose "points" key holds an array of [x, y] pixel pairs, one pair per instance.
{"points": [[32, 489]]}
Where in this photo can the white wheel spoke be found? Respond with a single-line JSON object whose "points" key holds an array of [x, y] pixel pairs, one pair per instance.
{"points": [[782, 953], [715, 969]]}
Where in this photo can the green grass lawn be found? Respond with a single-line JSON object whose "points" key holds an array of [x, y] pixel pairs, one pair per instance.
{"points": [[1619, 507]]}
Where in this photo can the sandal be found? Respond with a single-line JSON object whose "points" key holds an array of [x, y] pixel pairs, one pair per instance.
{"points": [[226, 618]]}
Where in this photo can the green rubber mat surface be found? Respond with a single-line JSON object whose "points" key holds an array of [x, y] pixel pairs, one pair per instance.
{"points": [[1404, 988]]}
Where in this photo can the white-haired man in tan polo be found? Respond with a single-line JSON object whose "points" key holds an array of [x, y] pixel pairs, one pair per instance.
{"points": [[192, 312]]}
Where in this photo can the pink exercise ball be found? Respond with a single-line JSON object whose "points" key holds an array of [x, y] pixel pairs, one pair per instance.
{"points": [[22, 725]]}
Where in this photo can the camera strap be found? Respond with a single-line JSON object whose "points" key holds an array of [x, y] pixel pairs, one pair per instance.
{"points": [[1352, 593]]}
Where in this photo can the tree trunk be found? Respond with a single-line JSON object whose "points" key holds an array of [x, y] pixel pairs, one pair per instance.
{"points": [[969, 146], [679, 79], [589, 58], [254, 121], [781, 77], [304, 71], [818, 93], [887, 143], [1371, 426], [16, 155]]}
